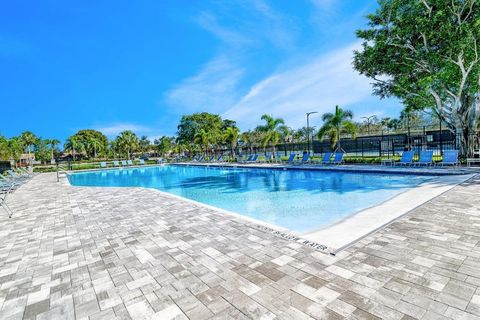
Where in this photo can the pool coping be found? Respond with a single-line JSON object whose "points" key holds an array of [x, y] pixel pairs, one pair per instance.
{"points": [[349, 227], [405, 170]]}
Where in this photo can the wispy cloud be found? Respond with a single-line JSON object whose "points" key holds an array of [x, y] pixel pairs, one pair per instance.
{"points": [[209, 22], [317, 85], [213, 88], [112, 130], [216, 85]]}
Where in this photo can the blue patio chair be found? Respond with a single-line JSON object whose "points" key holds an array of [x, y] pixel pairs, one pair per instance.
{"points": [[130, 162], [426, 158], [116, 164], [450, 158], [338, 158], [254, 158], [292, 157], [305, 158], [103, 164], [124, 163], [141, 162], [326, 158], [407, 158], [249, 158]]}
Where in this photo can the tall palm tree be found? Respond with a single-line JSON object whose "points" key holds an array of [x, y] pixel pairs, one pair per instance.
{"points": [[247, 140], [231, 137], [203, 138], [95, 145], [16, 147], [53, 144], [270, 130], [28, 139], [144, 144], [74, 145], [128, 142], [337, 124]]}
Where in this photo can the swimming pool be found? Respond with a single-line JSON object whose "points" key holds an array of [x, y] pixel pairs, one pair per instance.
{"points": [[298, 200]]}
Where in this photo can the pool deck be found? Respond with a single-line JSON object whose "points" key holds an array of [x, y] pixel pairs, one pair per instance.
{"points": [[106, 253]]}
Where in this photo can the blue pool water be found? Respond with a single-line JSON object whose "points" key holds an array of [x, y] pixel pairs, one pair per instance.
{"points": [[299, 200]]}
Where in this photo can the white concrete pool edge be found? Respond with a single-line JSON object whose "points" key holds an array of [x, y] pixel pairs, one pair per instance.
{"points": [[363, 223]]}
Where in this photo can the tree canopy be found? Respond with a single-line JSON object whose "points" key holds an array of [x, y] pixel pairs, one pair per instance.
{"points": [[426, 54]]}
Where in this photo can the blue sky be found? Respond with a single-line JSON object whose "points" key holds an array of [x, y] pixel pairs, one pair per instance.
{"points": [[116, 65]]}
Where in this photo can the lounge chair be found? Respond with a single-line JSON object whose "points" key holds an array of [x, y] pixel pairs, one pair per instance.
{"points": [[278, 157], [18, 176], [292, 157], [249, 158], [124, 163], [450, 158], [268, 157], [116, 164], [141, 162], [103, 165], [6, 181], [426, 158], [6, 189], [130, 162], [407, 158], [254, 158], [338, 158], [305, 158], [326, 159]]}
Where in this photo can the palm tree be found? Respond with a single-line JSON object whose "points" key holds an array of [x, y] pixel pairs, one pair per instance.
{"points": [[203, 138], [336, 124], [94, 144], [231, 137], [144, 144], [16, 148], [74, 145], [53, 143], [128, 142], [28, 139], [270, 131], [247, 140]]}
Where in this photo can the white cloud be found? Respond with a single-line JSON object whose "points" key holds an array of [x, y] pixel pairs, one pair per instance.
{"points": [[211, 89], [316, 85], [209, 22], [113, 130]]}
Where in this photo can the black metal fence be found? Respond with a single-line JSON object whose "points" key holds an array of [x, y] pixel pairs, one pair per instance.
{"points": [[387, 146], [382, 145]]}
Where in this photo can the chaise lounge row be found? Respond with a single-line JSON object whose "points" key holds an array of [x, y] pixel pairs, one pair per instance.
{"points": [[121, 163], [425, 158]]}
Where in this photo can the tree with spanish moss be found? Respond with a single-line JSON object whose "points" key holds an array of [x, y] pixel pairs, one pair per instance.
{"points": [[426, 53]]}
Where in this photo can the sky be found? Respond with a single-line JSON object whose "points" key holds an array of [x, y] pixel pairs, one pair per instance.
{"points": [[120, 65]]}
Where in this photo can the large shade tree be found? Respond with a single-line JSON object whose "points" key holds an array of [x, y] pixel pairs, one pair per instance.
{"points": [[335, 125], [426, 53]]}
